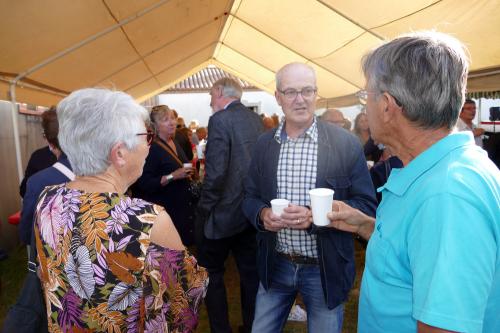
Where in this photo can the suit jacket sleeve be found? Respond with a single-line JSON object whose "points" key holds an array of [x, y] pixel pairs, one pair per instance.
{"points": [[253, 202], [362, 194], [217, 157], [33, 190]]}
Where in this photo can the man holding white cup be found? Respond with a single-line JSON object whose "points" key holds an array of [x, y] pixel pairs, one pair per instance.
{"points": [[295, 256]]}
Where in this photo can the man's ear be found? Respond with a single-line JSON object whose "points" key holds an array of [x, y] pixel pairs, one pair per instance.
{"points": [[392, 109], [117, 155], [276, 95]]}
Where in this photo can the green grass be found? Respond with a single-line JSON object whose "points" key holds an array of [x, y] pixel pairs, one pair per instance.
{"points": [[13, 271]]}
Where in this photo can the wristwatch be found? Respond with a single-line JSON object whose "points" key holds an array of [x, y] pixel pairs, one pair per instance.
{"points": [[170, 177]]}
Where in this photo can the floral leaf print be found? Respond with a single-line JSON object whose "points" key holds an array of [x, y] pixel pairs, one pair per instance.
{"points": [[71, 200], [121, 264], [93, 211], [49, 221], [123, 243], [70, 312], [109, 321], [51, 298], [135, 316], [42, 259], [80, 273], [122, 296]]}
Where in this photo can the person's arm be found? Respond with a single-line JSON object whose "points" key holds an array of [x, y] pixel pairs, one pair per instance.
{"points": [[478, 131], [256, 210], [346, 218], [28, 210], [361, 192], [217, 158], [424, 328], [163, 233]]}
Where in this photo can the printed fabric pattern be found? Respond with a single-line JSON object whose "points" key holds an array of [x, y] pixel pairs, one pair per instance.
{"points": [[101, 273]]}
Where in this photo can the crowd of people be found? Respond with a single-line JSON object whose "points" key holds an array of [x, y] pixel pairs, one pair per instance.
{"points": [[135, 221]]}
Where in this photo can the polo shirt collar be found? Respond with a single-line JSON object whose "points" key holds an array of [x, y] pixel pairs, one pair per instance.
{"points": [[401, 179]]}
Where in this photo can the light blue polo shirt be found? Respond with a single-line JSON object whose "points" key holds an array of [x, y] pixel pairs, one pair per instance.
{"points": [[435, 253]]}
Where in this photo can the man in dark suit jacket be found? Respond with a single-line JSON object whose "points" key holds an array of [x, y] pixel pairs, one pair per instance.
{"points": [[232, 132]]}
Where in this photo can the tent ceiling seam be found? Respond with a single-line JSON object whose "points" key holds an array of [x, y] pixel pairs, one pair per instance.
{"points": [[408, 15], [351, 20], [169, 67], [159, 48], [298, 53], [128, 38], [85, 42]]}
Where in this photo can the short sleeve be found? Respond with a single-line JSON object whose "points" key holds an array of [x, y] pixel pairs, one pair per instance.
{"points": [[452, 254]]}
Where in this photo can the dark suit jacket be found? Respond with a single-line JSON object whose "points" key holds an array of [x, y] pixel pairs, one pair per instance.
{"points": [[40, 159], [341, 167], [232, 134], [35, 186]]}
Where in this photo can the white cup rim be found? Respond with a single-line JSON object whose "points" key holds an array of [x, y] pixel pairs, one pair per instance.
{"points": [[321, 191], [280, 202]]}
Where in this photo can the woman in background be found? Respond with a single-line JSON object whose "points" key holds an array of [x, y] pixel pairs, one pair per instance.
{"points": [[165, 181], [109, 262]]}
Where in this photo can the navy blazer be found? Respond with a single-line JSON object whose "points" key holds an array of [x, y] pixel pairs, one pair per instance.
{"points": [[232, 134], [35, 185], [341, 167]]}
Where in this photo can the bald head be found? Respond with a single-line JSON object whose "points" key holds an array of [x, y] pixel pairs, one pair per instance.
{"points": [[333, 116], [296, 67]]}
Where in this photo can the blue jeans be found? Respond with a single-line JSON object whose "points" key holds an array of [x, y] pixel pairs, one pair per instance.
{"points": [[272, 306]]}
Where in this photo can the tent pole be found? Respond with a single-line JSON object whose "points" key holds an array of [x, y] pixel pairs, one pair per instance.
{"points": [[15, 126]]}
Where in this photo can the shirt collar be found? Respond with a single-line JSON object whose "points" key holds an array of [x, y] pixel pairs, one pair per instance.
{"points": [[312, 132], [401, 179]]}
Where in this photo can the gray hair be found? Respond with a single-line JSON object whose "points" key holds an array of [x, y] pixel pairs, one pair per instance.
{"points": [[285, 68], [230, 87], [426, 72], [91, 121]]}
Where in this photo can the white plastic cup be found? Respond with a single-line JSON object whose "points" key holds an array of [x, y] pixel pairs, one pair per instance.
{"points": [[370, 164], [277, 206], [187, 165], [321, 204]]}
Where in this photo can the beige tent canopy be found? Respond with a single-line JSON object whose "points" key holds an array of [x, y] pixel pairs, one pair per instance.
{"points": [[52, 47], [143, 47]]}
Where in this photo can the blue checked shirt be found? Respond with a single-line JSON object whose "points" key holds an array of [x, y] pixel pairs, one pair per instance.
{"points": [[297, 166]]}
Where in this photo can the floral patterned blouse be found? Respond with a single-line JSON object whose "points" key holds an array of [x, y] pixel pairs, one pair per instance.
{"points": [[101, 273]]}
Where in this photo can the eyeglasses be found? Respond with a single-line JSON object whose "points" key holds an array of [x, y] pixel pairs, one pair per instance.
{"points": [[362, 95], [150, 136], [291, 94]]}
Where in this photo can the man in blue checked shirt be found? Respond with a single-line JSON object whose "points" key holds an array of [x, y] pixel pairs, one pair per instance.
{"points": [[294, 255]]}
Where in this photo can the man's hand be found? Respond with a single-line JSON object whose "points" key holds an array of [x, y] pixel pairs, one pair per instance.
{"points": [[346, 218], [296, 217], [270, 221], [478, 131]]}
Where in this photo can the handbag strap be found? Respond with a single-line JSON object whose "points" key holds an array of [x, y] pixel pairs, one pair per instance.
{"points": [[170, 151], [64, 170]]}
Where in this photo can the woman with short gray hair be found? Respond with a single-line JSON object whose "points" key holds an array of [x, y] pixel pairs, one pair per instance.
{"points": [[109, 262]]}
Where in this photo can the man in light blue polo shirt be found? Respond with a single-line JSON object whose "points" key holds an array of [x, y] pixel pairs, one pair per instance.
{"points": [[433, 257]]}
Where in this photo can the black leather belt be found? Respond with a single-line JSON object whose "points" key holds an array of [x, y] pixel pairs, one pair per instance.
{"points": [[299, 259]]}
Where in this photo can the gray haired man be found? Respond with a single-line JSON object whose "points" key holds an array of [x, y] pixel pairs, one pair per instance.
{"points": [[233, 130]]}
